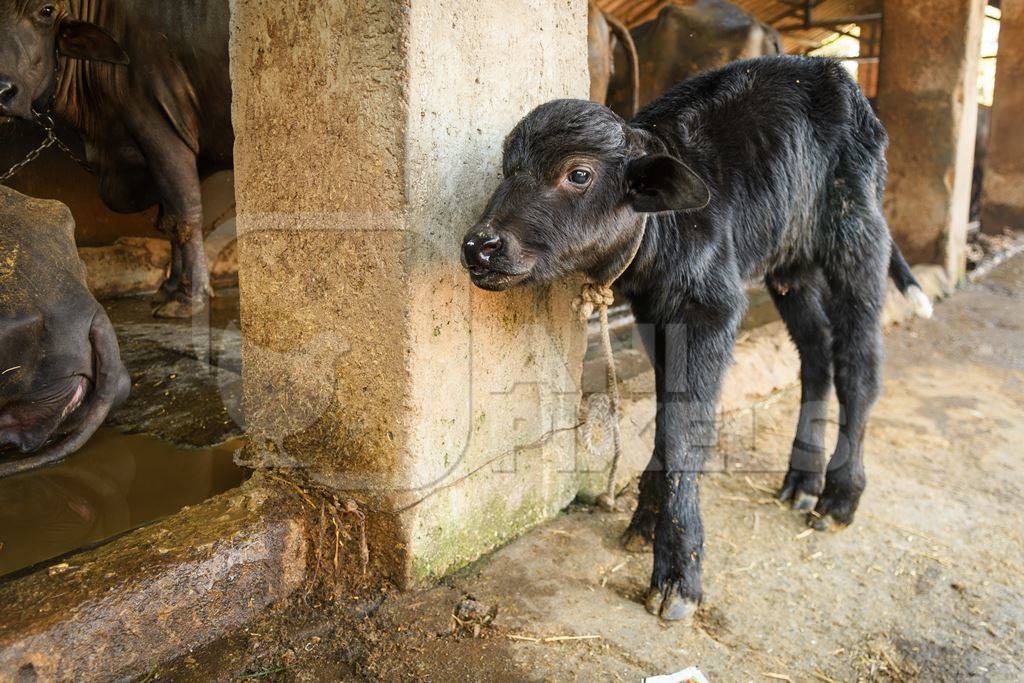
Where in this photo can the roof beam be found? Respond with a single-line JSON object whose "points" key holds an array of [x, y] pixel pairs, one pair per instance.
{"points": [[832, 23]]}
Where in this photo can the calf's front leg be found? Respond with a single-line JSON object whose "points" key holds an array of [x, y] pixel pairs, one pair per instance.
{"points": [[639, 535], [690, 362]]}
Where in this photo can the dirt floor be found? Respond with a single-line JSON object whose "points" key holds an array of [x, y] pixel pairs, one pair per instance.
{"points": [[928, 584]]}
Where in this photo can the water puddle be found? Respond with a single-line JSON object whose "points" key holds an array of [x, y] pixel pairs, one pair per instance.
{"points": [[115, 483]]}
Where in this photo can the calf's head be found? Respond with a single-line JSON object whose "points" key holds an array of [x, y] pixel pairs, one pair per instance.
{"points": [[577, 181], [32, 33]]}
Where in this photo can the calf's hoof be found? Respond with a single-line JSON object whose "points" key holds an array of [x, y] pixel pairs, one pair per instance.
{"points": [[837, 504], [177, 310], [832, 513], [802, 489], [673, 607]]}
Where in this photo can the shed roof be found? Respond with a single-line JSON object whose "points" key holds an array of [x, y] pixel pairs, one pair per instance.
{"points": [[777, 13]]}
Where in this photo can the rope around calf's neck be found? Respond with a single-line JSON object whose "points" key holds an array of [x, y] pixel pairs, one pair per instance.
{"points": [[597, 296]]}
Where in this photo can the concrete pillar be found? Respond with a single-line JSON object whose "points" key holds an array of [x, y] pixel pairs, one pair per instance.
{"points": [[1003, 188], [368, 136], [927, 98]]}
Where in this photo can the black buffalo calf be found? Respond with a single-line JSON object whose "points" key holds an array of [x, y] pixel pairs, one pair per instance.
{"points": [[771, 168]]}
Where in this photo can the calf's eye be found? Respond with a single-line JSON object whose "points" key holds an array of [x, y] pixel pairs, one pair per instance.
{"points": [[47, 11], [579, 176]]}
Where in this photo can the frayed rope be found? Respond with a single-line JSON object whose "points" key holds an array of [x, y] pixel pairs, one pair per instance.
{"points": [[598, 297]]}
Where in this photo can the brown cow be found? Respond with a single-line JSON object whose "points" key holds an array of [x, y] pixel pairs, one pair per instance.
{"points": [[685, 39], [604, 32]]}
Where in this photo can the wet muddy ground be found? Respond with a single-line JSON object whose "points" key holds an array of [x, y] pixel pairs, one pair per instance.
{"points": [[116, 483], [186, 374], [170, 445], [928, 584]]}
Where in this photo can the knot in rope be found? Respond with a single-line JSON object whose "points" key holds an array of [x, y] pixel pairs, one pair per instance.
{"points": [[595, 296], [592, 297]]}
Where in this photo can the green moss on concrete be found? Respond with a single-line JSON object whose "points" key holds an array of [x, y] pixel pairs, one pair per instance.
{"points": [[452, 543]]}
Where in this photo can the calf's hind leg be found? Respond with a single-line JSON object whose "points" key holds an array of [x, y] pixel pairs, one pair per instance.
{"points": [[855, 312], [798, 298]]}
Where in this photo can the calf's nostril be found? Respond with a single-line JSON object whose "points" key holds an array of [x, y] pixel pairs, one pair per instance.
{"points": [[489, 247], [7, 91], [469, 252], [479, 250]]}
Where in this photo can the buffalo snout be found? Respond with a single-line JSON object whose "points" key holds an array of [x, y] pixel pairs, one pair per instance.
{"points": [[495, 260], [9, 98], [15, 100]]}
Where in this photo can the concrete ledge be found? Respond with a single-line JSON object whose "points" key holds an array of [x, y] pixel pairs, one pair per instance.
{"points": [[764, 363], [117, 611]]}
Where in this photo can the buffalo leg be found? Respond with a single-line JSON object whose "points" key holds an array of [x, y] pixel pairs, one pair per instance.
{"points": [[798, 299], [173, 280], [691, 362], [639, 535], [173, 165]]}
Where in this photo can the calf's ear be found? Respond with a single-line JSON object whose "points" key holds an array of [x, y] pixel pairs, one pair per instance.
{"points": [[659, 182], [82, 40]]}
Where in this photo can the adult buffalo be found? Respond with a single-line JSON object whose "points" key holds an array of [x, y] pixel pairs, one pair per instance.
{"points": [[604, 33], [60, 365], [146, 84], [685, 39]]}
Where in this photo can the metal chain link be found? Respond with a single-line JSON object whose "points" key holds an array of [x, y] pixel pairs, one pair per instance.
{"points": [[46, 123], [29, 158]]}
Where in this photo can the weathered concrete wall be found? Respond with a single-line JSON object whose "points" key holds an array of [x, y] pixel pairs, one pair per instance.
{"points": [[927, 98], [506, 367], [369, 134], [1003, 190]]}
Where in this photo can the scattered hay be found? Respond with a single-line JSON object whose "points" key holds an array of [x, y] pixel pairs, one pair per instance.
{"points": [[331, 530], [552, 639], [876, 662], [470, 616], [982, 247]]}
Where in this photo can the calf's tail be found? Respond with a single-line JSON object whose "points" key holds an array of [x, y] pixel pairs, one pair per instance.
{"points": [[908, 285]]}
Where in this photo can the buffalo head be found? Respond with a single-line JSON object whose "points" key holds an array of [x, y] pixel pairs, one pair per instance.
{"points": [[60, 366], [32, 34], [577, 181]]}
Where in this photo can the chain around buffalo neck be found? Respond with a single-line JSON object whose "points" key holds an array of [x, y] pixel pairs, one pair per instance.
{"points": [[46, 123]]}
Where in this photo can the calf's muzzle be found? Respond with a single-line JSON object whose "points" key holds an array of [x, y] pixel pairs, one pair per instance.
{"points": [[479, 248]]}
